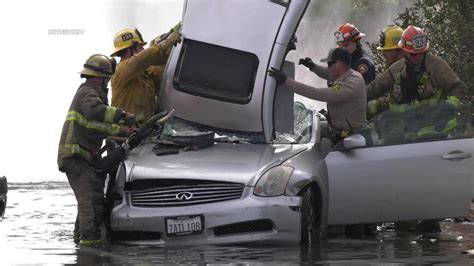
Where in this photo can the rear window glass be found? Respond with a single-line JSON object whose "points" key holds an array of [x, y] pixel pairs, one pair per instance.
{"points": [[216, 72]]}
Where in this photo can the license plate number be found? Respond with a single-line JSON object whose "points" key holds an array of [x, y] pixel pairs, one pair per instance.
{"points": [[184, 225]]}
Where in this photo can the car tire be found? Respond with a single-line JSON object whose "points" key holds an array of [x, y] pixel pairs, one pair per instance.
{"points": [[310, 224]]}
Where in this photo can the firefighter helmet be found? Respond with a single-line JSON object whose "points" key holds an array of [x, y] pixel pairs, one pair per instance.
{"points": [[98, 65], [414, 40], [390, 37], [127, 38], [347, 33]]}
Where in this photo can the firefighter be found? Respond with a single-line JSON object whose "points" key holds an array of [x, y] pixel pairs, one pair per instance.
{"points": [[135, 82], [346, 99], [421, 81], [89, 121], [424, 97], [347, 37], [391, 53]]}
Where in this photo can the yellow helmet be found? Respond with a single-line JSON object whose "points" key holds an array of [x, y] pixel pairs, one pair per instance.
{"points": [[127, 38], [99, 65], [389, 38]]}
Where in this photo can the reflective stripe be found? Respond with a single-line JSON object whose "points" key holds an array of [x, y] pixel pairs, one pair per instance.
{"points": [[112, 129], [110, 113], [74, 149], [430, 130], [454, 100], [409, 106]]}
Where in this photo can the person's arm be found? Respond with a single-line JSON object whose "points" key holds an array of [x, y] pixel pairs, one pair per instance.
{"points": [[321, 71], [337, 93], [94, 108], [366, 68], [98, 116], [446, 79], [152, 56], [381, 85]]}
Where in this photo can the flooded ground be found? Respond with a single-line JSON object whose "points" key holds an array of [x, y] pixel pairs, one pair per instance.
{"points": [[39, 220]]}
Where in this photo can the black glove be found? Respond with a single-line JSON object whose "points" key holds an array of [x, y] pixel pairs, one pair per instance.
{"points": [[129, 119], [278, 75], [307, 62]]}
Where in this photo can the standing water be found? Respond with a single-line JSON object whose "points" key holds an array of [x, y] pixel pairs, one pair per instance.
{"points": [[38, 225]]}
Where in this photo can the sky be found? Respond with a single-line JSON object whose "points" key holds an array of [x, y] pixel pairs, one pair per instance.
{"points": [[39, 70]]}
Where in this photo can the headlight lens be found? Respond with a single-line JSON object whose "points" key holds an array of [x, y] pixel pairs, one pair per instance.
{"points": [[273, 182]]}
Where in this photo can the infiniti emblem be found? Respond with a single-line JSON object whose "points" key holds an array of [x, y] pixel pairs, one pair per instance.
{"points": [[184, 195]]}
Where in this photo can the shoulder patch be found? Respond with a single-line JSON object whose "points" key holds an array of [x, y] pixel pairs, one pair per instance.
{"points": [[362, 68], [337, 87]]}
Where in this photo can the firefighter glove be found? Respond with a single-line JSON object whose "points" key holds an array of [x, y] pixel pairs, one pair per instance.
{"points": [[278, 75], [129, 119], [307, 62], [172, 39]]}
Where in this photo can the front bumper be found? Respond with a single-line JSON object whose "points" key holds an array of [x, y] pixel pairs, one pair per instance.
{"points": [[282, 213]]}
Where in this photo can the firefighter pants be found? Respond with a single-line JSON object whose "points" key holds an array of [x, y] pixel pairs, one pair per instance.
{"points": [[88, 189]]}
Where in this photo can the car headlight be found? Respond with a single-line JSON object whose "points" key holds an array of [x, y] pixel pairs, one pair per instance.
{"points": [[273, 182]]}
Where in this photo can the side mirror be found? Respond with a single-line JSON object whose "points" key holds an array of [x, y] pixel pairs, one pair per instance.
{"points": [[354, 141]]}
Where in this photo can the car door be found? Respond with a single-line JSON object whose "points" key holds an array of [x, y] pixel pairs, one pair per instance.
{"points": [[218, 75], [428, 180]]}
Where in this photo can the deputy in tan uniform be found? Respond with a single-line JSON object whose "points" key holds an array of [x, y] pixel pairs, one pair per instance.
{"points": [[137, 75], [346, 99]]}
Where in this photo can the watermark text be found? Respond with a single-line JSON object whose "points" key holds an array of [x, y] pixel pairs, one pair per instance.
{"points": [[66, 31]]}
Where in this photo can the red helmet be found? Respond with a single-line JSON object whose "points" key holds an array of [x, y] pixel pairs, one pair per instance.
{"points": [[414, 40], [347, 33]]}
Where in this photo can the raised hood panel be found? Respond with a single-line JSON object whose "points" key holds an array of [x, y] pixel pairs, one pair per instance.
{"points": [[262, 37], [239, 163]]}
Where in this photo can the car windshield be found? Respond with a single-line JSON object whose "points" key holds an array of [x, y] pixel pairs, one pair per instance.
{"points": [[178, 126], [301, 133], [302, 125]]}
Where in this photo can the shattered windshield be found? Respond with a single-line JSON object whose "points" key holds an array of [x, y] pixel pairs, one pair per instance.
{"points": [[302, 127], [302, 121], [178, 126]]}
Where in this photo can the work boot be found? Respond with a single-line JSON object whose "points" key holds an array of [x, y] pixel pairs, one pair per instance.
{"points": [[76, 235], [428, 226]]}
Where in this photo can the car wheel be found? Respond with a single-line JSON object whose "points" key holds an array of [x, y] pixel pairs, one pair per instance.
{"points": [[310, 224]]}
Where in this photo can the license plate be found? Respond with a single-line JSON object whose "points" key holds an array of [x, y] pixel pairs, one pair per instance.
{"points": [[184, 225]]}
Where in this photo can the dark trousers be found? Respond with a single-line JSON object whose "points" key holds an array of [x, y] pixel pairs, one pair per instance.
{"points": [[88, 187]]}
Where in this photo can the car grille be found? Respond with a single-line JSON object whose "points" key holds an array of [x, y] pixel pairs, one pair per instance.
{"points": [[244, 227], [184, 195]]}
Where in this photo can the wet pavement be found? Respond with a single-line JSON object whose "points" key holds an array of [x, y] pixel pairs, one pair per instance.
{"points": [[38, 224]]}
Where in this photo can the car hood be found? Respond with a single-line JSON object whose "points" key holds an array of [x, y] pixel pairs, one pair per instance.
{"points": [[240, 163]]}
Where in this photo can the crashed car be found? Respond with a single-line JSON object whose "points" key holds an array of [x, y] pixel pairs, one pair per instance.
{"points": [[270, 173]]}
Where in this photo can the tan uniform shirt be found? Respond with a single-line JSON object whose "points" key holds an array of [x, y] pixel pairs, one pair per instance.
{"points": [[346, 99], [135, 81], [441, 77]]}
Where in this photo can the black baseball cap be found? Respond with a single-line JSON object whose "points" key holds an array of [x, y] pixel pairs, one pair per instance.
{"points": [[338, 54]]}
